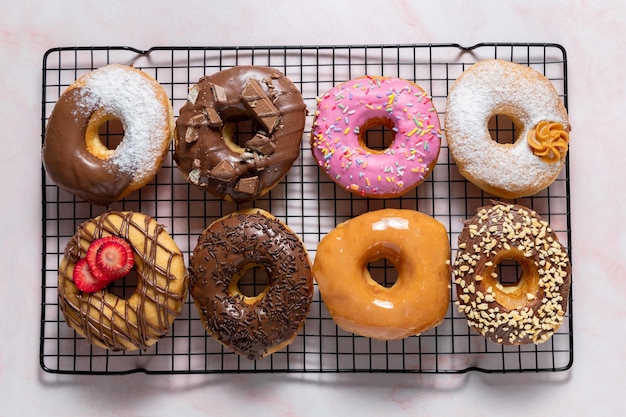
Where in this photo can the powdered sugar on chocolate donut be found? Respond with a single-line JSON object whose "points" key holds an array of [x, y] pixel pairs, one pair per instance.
{"points": [[130, 97], [74, 154]]}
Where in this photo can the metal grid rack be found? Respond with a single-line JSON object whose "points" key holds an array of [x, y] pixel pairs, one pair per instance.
{"points": [[309, 203]]}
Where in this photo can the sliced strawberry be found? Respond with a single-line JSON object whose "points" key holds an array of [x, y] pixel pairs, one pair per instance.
{"points": [[92, 251], [114, 258], [83, 278]]}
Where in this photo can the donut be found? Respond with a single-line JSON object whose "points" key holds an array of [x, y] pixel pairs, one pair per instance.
{"points": [[528, 311], [73, 154], [530, 164], [239, 166], [418, 247], [253, 326], [139, 321], [338, 136]]}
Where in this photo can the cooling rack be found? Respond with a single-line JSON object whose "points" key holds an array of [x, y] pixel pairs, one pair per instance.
{"points": [[309, 203]]}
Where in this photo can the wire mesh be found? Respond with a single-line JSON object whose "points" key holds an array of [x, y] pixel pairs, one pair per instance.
{"points": [[309, 203]]}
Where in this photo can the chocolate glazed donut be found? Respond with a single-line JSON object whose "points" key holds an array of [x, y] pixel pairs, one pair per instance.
{"points": [[206, 146], [251, 326]]}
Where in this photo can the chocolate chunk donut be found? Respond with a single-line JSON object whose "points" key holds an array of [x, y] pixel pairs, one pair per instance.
{"points": [[216, 158]]}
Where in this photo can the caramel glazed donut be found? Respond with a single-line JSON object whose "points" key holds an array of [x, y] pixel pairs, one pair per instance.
{"points": [[529, 311], [534, 160], [415, 243], [73, 154], [206, 146], [251, 326], [138, 322]]}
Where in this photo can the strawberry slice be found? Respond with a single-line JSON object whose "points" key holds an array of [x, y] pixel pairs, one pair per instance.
{"points": [[83, 278], [92, 251], [109, 258]]}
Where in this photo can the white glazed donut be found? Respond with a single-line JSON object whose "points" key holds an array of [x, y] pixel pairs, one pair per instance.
{"points": [[534, 160]]}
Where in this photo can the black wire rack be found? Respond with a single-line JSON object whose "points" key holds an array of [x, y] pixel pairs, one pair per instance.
{"points": [[310, 204]]}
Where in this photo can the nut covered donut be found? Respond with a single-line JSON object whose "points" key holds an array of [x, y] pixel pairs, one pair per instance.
{"points": [[419, 248], [338, 136], [534, 160], [73, 154], [259, 325], [112, 322], [209, 151], [532, 309]]}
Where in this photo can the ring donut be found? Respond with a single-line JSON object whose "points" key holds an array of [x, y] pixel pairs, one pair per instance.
{"points": [[207, 147], [534, 160], [419, 248], [139, 321], [529, 311], [338, 136], [73, 153], [259, 325]]}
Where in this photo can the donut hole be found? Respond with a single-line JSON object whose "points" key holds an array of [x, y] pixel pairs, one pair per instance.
{"points": [[125, 287], [238, 131], [111, 133], [509, 272], [377, 135], [383, 271], [502, 129], [104, 133], [253, 281]]}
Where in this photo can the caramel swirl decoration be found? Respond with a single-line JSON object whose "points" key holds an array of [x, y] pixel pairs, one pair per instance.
{"points": [[549, 140]]}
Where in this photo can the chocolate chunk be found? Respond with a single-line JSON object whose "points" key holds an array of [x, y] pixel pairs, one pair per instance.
{"points": [[214, 118], [219, 94], [247, 185], [260, 104], [191, 135], [260, 144], [224, 171], [198, 120], [194, 176], [247, 157], [192, 96], [271, 90]]}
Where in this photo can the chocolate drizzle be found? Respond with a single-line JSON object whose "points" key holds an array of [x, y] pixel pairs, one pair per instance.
{"points": [[107, 320], [203, 131], [252, 327]]}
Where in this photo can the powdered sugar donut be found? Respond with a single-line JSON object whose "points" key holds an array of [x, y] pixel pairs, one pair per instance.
{"points": [[346, 112], [75, 157], [534, 160]]}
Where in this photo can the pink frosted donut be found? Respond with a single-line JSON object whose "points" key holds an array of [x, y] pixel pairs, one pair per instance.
{"points": [[346, 112]]}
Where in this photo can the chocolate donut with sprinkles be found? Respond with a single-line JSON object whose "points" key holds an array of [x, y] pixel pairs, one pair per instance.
{"points": [[529, 311], [339, 144], [253, 326]]}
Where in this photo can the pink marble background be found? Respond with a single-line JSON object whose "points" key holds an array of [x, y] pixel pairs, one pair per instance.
{"points": [[592, 36]]}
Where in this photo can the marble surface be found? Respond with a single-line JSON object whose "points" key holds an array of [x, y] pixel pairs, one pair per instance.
{"points": [[596, 89]]}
